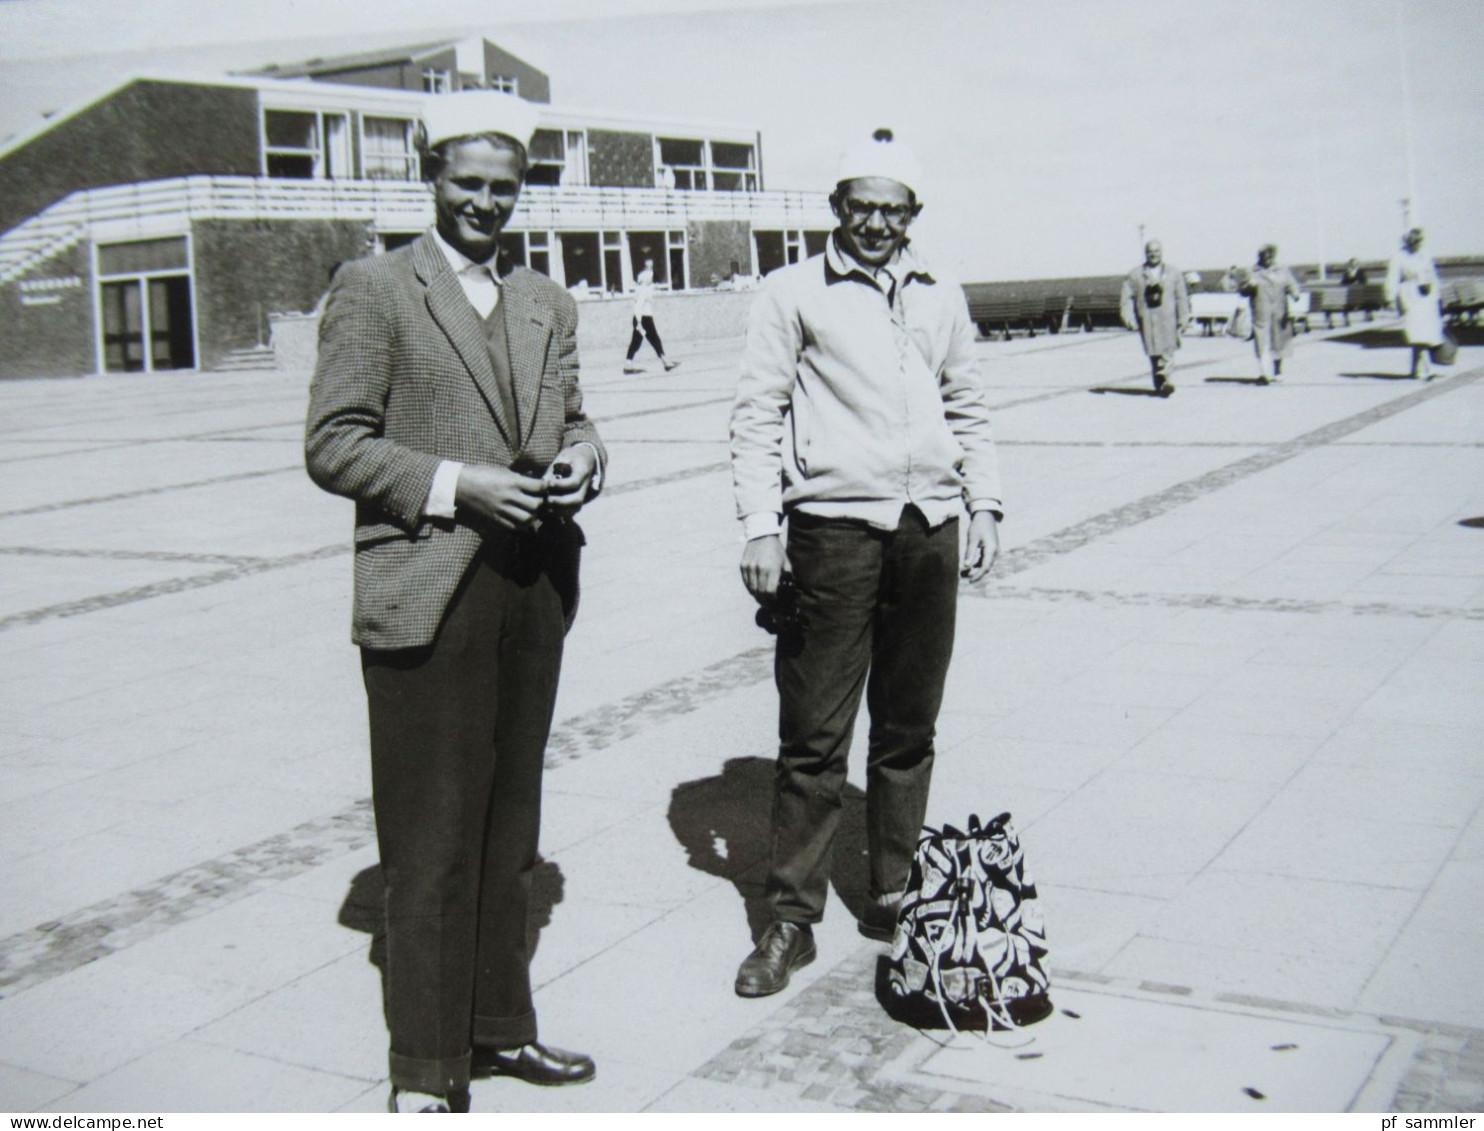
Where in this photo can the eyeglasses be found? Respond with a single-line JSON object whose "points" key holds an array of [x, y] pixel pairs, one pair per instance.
{"points": [[891, 213]]}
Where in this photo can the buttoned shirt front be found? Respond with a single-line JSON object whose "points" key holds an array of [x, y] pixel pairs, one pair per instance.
{"points": [[859, 396], [481, 285]]}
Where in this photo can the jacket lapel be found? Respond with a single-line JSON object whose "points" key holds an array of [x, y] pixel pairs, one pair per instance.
{"points": [[528, 327], [460, 323]]}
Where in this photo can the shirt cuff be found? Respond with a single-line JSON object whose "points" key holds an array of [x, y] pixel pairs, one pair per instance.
{"points": [[993, 506], [763, 524], [443, 495]]}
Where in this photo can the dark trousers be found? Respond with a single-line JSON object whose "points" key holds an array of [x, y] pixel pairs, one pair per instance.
{"points": [[880, 607], [458, 736], [645, 328]]}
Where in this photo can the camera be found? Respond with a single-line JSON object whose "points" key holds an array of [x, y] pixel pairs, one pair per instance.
{"points": [[1154, 294], [782, 616]]}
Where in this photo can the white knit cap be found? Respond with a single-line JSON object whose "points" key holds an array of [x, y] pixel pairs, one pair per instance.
{"points": [[880, 155], [472, 112]]}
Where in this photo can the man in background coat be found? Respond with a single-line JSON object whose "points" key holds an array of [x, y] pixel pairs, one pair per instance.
{"points": [[446, 404], [1156, 302]]}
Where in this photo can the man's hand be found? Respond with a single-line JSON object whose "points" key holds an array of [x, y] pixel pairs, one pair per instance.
{"points": [[982, 546], [565, 493], [499, 495], [763, 563]]}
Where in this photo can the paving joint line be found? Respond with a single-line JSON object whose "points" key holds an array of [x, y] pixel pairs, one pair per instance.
{"points": [[1228, 603], [130, 555], [145, 492]]}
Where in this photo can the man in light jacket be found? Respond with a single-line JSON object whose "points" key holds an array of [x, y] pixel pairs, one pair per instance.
{"points": [[1156, 302], [860, 421]]}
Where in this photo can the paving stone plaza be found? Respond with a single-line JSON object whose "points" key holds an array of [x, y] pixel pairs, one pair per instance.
{"points": [[1226, 675]]}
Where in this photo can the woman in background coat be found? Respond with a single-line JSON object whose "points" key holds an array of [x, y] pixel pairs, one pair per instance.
{"points": [[1412, 283], [1268, 290]]}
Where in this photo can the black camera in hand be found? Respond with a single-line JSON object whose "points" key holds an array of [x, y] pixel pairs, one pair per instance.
{"points": [[1154, 294], [781, 616]]}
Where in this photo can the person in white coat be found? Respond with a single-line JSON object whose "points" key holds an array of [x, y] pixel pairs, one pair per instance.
{"points": [[1412, 283]]}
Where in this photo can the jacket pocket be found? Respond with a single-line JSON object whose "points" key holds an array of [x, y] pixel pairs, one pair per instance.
{"points": [[370, 534]]}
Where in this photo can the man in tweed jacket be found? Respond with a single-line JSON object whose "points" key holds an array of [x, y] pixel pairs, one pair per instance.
{"points": [[446, 404]]}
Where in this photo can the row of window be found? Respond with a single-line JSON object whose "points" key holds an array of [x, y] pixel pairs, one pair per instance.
{"points": [[440, 81], [148, 320], [316, 145]]}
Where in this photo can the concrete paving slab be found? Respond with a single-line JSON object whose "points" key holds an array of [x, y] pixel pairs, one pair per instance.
{"points": [[1231, 634], [24, 1090], [187, 1075], [1116, 1052], [84, 1024]]}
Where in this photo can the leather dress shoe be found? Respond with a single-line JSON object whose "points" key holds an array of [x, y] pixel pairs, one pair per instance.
{"points": [[879, 917], [400, 1102], [534, 1063], [784, 948]]}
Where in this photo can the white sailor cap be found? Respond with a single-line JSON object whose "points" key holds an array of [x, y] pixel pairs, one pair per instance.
{"points": [[881, 155], [471, 112]]}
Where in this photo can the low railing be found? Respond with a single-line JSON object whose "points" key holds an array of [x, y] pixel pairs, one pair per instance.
{"points": [[388, 206]]}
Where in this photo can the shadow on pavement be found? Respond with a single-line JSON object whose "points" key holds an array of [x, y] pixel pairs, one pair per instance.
{"points": [[1233, 380], [1378, 376], [1476, 523], [364, 909], [724, 821], [1464, 333], [1124, 390]]}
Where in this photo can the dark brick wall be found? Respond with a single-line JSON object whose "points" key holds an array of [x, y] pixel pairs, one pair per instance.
{"points": [[144, 132], [393, 76], [713, 246], [533, 85], [247, 269], [620, 160], [49, 339]]}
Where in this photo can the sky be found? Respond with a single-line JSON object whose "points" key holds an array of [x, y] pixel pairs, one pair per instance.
{"points": [[1054, 132]]}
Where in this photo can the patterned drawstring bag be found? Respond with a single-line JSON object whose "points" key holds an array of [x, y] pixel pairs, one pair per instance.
{"points": [[970, 945]]}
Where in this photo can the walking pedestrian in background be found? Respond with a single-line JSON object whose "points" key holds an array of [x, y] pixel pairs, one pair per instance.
{"points": [[1156, 302], [644, 326], [1412, 284], [1268, 289]]}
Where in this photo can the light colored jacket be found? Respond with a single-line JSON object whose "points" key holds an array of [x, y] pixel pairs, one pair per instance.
{"points": [[1159, 326], [851, 406]]}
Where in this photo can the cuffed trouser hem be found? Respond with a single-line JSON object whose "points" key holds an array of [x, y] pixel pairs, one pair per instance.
{"points": [[505, 1032], [434, 1077]]}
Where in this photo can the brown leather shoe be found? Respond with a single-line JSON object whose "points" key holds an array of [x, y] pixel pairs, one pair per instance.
{"points": [[534, 1063], [784, 948]]}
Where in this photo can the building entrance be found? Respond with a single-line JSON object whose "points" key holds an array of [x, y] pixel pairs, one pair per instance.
{"points": [[144, 300]]}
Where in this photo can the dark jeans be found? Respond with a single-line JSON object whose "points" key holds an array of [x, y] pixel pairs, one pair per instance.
{"points": [[880, 608], [645, 328], [458, 736]]}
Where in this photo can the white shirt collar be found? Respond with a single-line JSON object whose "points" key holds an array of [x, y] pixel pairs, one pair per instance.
{"points": [[458, 261]]}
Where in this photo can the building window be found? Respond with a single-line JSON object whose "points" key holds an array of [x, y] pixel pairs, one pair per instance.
{"points": [[305, 144], [508, 84], [775, 249], [528, 249], [436, 81], [548, 158], [144, 301], [387, 150], [685, 161], [734, 167]]}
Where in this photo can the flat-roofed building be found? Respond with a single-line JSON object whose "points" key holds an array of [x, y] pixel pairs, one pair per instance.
{"points": [[160, 224]]}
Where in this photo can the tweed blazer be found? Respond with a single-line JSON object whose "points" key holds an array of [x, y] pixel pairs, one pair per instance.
{"points": [[403, 382]]}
